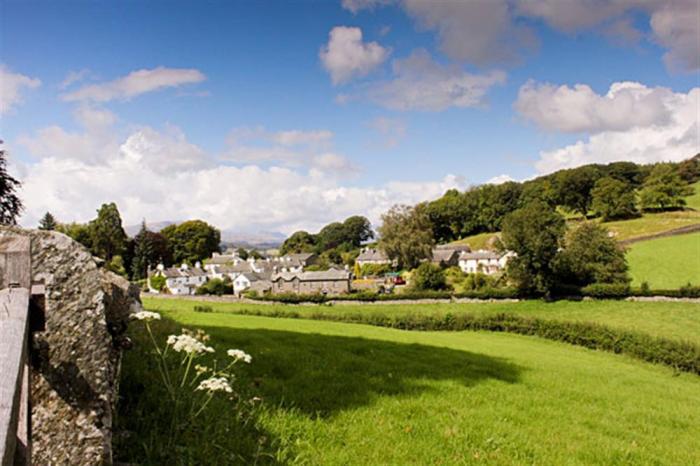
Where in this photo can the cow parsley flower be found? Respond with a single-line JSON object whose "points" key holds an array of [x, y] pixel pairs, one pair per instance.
{"points": [[215, 384], [240, 355], [146, 315], [188, 344]]}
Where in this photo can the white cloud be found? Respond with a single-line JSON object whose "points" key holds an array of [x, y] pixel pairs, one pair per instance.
{"points": [[136, 83], [419, 83], [486, 32], [500, 179], [391, 130], [160, 176], [676, 139], [11, 85], [346, 56], [73, 77], [579, 109], [296, 137]]}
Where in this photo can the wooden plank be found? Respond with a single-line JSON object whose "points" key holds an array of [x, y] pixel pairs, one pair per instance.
{"points": [[14, 328], [15, 262]]}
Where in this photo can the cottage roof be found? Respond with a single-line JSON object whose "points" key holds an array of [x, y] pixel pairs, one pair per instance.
{"points": [[444, 255], [324, 275], [370, 254], [453, 247], [221, 259], [481, 254]]}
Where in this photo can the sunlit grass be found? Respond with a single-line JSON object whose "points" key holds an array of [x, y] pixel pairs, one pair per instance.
{"points": [[666, 262]]}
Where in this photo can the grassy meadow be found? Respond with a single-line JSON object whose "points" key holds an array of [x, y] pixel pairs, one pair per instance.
{"points": [[336, 393], [666, 262]]}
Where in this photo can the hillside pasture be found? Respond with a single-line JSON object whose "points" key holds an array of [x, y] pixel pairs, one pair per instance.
{"points": [[337, 393], [668, 263]]}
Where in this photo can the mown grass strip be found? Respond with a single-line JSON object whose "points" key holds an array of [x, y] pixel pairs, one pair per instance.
{"points": [[681, 355]]}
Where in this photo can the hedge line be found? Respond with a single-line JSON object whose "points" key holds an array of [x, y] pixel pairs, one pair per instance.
{"points": [[597, 291], [681, 355]]}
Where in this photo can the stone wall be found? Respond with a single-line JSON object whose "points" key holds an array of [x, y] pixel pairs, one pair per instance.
{"points": [[76, 356]]}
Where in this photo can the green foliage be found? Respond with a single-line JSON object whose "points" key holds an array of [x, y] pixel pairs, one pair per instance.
{"points": [[590, 255], [300, 241], [202, 308], [10, 204], [374, 270], [79, 232], [192, 241], [358, 230], [606, 290], [574, 186], [689, 170], [150, 250], [215, 286], [664, 189], [613, 199], [535, 233], [107, 235], [242, 253], [48, 222], [428, 276], [116, 265], [157, 282], [337, 237], [406, 235]]}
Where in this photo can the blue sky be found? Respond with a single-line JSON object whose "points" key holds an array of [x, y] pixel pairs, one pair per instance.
{"points": [[273, 116]]}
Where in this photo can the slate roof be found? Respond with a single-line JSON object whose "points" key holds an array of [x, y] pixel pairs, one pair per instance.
{"points": [[479, 255], [370, 254], [325, 275]]}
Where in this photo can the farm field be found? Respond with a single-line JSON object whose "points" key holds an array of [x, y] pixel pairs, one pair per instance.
{"points": [[339, 393], [666, 262], [673, 320]]}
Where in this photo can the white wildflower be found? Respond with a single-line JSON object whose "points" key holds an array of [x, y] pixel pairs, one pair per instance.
{"points": [[146, 315], [188, 344], [240, 355], [215, 384]]}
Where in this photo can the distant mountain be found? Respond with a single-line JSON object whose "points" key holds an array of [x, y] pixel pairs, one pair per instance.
{"points": [[257, 240]]}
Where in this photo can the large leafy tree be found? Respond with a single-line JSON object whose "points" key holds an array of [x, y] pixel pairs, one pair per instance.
{"points": [[613, 198], [107, 234], [48, 222], [192, 241], [406, 235], [535, 233], [10, 205], [590, 255], [428, 277], [150, 249], [358, 230], [574, 187], [80, 232], [664, 189], [300, 241]]}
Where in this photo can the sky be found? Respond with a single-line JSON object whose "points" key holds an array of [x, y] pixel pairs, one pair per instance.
{"points": [[274, 116]]}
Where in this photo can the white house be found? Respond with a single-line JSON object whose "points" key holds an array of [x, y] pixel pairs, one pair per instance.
{"points": [[181, 280], [246, 280], [488, 262]]}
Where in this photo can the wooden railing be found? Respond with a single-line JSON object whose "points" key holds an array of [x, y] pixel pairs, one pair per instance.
{"points": [[15, 309]]}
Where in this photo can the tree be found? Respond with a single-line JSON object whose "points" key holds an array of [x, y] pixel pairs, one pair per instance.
{"points": [[106, 232], [79, 232], [574, 187], [300, 241], [613, 199], [406, 235], [535, 233], [47, 222], [689, 170], [10, 205], [664, 189], [590, 255], [192, 241], [331, 236], [242, 253], [150, 249], [428, 277], [358, 230], [540, 189]]}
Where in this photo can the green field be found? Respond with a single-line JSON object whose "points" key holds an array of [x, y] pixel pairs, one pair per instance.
{"points": [[694, 201], [673, 320], [666, 262], [339, 393]]}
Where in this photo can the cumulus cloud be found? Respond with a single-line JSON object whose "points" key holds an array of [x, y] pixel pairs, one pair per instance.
{"points": [[487, 32], [159, 175], [136, 83], [580, 109], [11, 86], [500, 179], [73, 77], [675, 139], [420, 83], [346, 56]]}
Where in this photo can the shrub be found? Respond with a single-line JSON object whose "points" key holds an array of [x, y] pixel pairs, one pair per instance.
{"points": [[201, 308], [606, 290], [428, 277], [157, 282], [215, 286], [644, 289], [375, 270]]}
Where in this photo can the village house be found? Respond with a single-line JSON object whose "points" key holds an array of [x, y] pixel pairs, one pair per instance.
{"points": [[183, 280], [331, 281], [246, 280], [488, 262], [447, 255], [372, 256]]}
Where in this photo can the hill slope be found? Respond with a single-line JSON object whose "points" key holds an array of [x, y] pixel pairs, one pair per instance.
{"points": [[666, 262]]}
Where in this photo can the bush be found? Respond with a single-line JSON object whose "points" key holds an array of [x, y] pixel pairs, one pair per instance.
{"points": [[428, 277], [375, 270], [200, 308], [215, 286], [606, 290], [157, 282]]}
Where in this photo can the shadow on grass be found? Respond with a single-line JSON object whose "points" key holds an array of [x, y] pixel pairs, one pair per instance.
{"points": [[324, 374]]}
